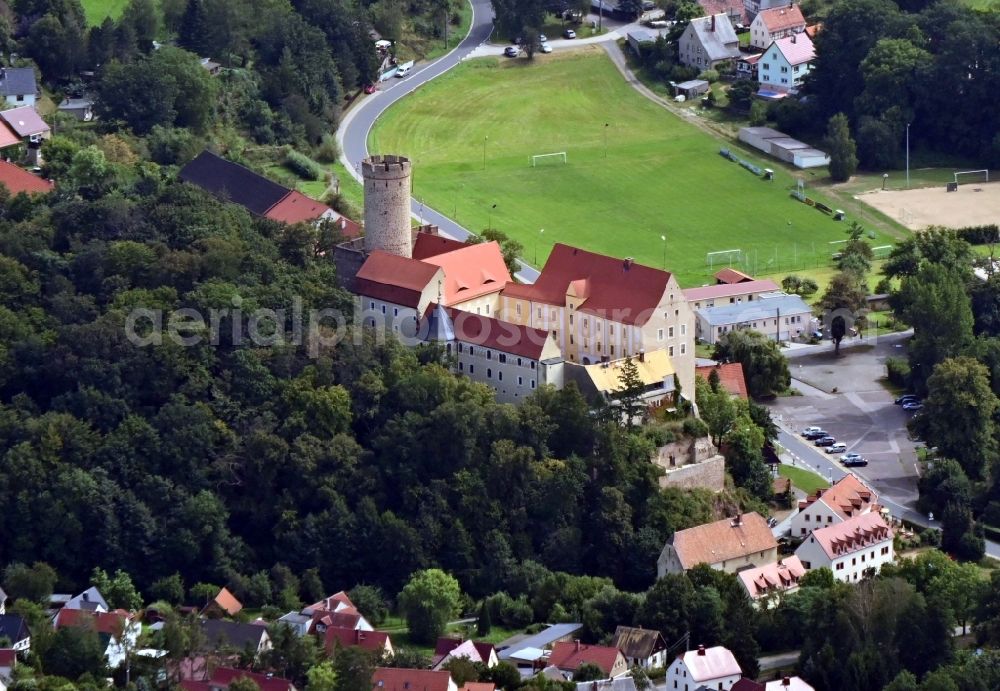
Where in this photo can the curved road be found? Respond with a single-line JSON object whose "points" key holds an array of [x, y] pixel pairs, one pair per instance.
{"points": [[352, 136]]}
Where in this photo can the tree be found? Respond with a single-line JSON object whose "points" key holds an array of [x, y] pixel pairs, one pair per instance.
{"points": [[742, 447], [843, 153], [321, 677], [243, 684], [764, 365], [629, 393], [353, 668], [169, 589], [958, 415], [960, 589], [119, 592], [667, 607], [429, 601], [758, 114], [843, 304], [799, 285], [716, 407], [904, 681], [483, 621], [463, 670], [75, 651], [33, 583], [370, 601], [588, 671]]}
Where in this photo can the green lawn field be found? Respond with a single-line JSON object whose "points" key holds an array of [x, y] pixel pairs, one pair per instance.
{"points": [[805, 480], [98, 10], [635, 172]]}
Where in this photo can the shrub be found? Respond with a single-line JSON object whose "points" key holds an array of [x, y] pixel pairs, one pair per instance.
{"points": [[710, 76], [303, 166], [327, 151], [693, 427], [898, 371]]}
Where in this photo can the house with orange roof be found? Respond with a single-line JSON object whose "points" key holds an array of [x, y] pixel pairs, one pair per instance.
{"points": [[730, 377], [729, 545], [777, 22], [479, 686], [601, 309], [376, 642], [770, 582], [569, 656], [16, 180], [222, 677], [846, 498], [402, 679], [224, 604], [117, 630], [731, 275], [851, 549]]}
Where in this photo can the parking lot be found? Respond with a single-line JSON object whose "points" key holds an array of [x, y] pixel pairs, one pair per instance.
{"points": [[844, 397]]}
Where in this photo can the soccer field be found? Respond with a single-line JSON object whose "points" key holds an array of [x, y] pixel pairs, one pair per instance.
{"points": [[635, 172], [98, 10]]}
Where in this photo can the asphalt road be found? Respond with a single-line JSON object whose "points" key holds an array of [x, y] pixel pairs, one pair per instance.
{"points": [[359, 120]]}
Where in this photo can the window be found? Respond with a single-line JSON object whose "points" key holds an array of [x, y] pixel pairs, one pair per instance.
{"points": [[500, 375], [517, 309], [571, 320], [519, 362], [795, 69], [659, 334], [670, 351], [684, 348], [460, 347], [774, 56], [571, 339], [395, 311], [472, 368], [598, 346], [489, 373], [520, 381], [489, 354], [766, 79], [670, 332], [371, 305], [807, 518], [585, 323], [571, 305], [612, 348], [383, 309], [532, 383], [532, 364], [539, 312], [472, 351], [460, 367], [611, 329], [767, 66], [684, 329], [784, 80], [784, 70], [502, 357]]}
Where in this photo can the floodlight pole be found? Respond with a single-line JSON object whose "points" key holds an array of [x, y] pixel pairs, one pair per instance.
{"points": [[485, 139], [605, 140], [907, 155], [664, 238], [539, 237]]}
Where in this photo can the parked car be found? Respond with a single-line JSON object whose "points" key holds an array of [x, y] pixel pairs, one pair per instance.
{"points": [[810, 430], [816, 434], [771, 522], [545, 48], [906, 399], [569, 33], [542, 38], [913, 406], [825, 441], [856, 463], [839, 447], [511, 51], [370, 88], [849, 457]]}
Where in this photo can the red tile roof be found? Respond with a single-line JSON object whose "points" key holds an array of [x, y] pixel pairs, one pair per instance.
{"points": [[847, 497], [191, 685], [770, 578], [110, 623], [430, 245], [782, 18], [615, 289], [569, 655], [479, 686], [400, 679], [852, 535], [331, 603], [730, 377], [746, 684], [224, 676], [723, 540], [733, 9], [394, 279], [349, 637], [17, 180], [729, 274], [8, 137], [471, 271], [725, 290], [227, 602], [345, 618], [296, 207], [488, 332], [8, 657]]}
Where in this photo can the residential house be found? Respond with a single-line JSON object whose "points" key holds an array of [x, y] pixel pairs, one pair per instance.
{"points": [[730, 377], [600, 309], [728, 293], [707, 42], [728, 545], [18, 86], [81, 108], [235, 637], [778, 316], [336, 610], [521, 649], [448, 648], [715, 668], [210, 66], [300, 623], [15, 630], [768, 583], [27, 124], [601, 381], [785, 63], [568, 656], [731, 275], [16, 180], [733, 9], [8, 663], [118, 630], [402, 679], [222, 677], [376, 642], [641, 647], [846, 498], [90, 600], [238, 184], [851, 549], [788, 684], [747, 67], [775, 23], [224, 604]]}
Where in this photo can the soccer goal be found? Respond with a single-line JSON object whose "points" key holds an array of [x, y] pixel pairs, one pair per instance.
{"points": [[976, 176], [881, 252], [724, 258], [547, 158]]}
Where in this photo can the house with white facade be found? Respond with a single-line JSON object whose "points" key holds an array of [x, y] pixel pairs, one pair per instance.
{"points": [[778, 316], [775, 23], [851, 550], [846, 498], [728, 293], [768, 583], [755, 7], [785, 63], [729, 545], [18, 86], [714, 668], [707, 42], [644, 648]]}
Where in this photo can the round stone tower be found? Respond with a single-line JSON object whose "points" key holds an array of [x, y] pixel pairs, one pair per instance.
{"points": [[387, 204]]}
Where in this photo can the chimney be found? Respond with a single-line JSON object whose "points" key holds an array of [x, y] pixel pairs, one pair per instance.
{"points": [[628, 263], [357, 636], [701, 650], [786, 681], [642, 355], [576, 644], [793, 37], [737, 521], [713, 22]]}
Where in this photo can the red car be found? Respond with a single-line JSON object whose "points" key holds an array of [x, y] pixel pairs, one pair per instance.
{"points": [[371, 88]]}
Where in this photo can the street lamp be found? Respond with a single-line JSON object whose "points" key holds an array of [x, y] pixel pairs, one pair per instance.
{"points": [[485, 139], [605, 140], [907, 155], [885, 177], [489, 225], [664, 238], [540, 231]]}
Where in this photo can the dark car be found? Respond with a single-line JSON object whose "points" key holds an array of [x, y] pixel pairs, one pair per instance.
{"points": [[816, 434], [906, 399], [510, 51], [855, 463], [825, 441]]}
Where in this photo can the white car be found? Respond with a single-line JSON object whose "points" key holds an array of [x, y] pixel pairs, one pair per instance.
{"points": [[839, 447], [544, 48], [542, 38], [810, 430], [850, 457]]}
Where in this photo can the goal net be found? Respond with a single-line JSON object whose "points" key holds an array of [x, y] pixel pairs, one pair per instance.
{"points": [[544, 159], [968, 176], [724, 258]]}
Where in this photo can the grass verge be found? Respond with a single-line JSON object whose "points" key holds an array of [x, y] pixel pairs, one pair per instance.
{"points": [[805, 480]]}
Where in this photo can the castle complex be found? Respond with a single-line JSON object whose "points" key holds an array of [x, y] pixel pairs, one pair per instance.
{"points": [[578, 322]]}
